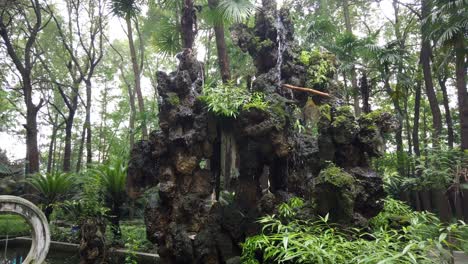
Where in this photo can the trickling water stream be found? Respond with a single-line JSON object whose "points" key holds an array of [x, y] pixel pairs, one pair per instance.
{"points": [[280, 36], [281, 40]]}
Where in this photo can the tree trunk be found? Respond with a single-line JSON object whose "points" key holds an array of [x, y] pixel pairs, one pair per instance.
{"points": [[448, 116], [136, 74], [417, 108], [425, 60], [32, 150], [53, 137], [355, 88], [462, 94], [131, 121], [365, 93], [223, 59], [399, 131], [68, 139], [80, 150], [187, 24], [87, 124]]}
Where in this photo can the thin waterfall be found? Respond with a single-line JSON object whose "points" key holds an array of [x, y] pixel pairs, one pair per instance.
{"points": [[281, 40]]}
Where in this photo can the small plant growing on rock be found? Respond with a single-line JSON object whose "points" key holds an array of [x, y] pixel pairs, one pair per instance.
{"points": [[228, 99]]}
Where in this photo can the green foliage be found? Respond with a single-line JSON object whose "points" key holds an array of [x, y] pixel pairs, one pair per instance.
{"points": [[320, 67], [227, 99], [335, 176], [89, 202], [64, 234], [52, 187], [112, 178], [236, 10], [289, 209], [13, 226], [136, 231], [438, 167], [257, 100], [123, 8], [298, 241]]}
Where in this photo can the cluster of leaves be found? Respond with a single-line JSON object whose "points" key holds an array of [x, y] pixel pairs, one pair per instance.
{"points": [[228, 99], [436, 170], [321, 67], [13, 226], [335, 176], [286, 239], [135, 239], [64, 234]]}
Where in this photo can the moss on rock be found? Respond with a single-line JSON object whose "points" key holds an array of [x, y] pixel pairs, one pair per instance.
{"points": [[335, 176], [173, 99]]}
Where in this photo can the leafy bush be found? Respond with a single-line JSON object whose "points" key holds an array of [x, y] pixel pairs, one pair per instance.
{"points": [[13, 226], [438, 168], [112, 178], [289, 240], [52, 187], [63, 234], [228, 99]]}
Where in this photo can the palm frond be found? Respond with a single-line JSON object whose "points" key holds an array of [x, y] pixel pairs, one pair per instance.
{"points": [[236, 10]]}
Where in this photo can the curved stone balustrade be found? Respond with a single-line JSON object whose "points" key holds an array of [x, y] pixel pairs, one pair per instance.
{"points": [[39, 226]]}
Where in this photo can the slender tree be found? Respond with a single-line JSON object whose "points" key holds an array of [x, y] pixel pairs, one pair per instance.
{"points": [[20, 46], [128, 10], [354, 83], [449, 27], [425, 60]]}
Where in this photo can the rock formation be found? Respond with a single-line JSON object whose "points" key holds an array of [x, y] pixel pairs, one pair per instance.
{"points": [[194, 220]]}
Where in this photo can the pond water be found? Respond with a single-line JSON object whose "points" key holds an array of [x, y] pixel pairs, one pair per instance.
{"points": [[15, 254]]}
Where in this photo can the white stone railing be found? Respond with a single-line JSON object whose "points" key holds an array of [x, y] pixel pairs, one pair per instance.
{"points": [[36, 219]]}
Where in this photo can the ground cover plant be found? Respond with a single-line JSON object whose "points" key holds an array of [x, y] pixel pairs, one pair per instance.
{"points": [[396, 235], [13, 226]]}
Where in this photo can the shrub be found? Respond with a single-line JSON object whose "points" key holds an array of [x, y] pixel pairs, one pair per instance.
{"points": [[52, 187], [422, 240], [13, 226], [228, 99]]}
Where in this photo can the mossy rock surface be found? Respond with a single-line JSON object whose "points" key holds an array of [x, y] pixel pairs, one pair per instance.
{"points": [[335, 176]]}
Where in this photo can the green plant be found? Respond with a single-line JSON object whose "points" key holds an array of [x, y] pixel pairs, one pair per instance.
{"points": [[13, 226], [63, 234], [112, 178], [228, 99], [291, 240], [132, 243], [335, 176], [52, 187], [438, 168]]}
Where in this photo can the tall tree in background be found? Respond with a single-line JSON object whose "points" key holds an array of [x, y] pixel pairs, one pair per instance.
{"points": [[188, 24], [449, 22], [354, 83], [223, 58], [442, 73], [86, 38], [425, 60], [128, 10], [225, 12], [20, 24]]}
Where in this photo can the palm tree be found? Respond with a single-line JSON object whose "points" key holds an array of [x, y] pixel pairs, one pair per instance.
{"points": [[52, 187], [112, 178], [449, 26], [128, 10], [225, 12]]}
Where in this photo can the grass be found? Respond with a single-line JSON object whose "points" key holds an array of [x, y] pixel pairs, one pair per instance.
{"points": [[13, 226]]}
